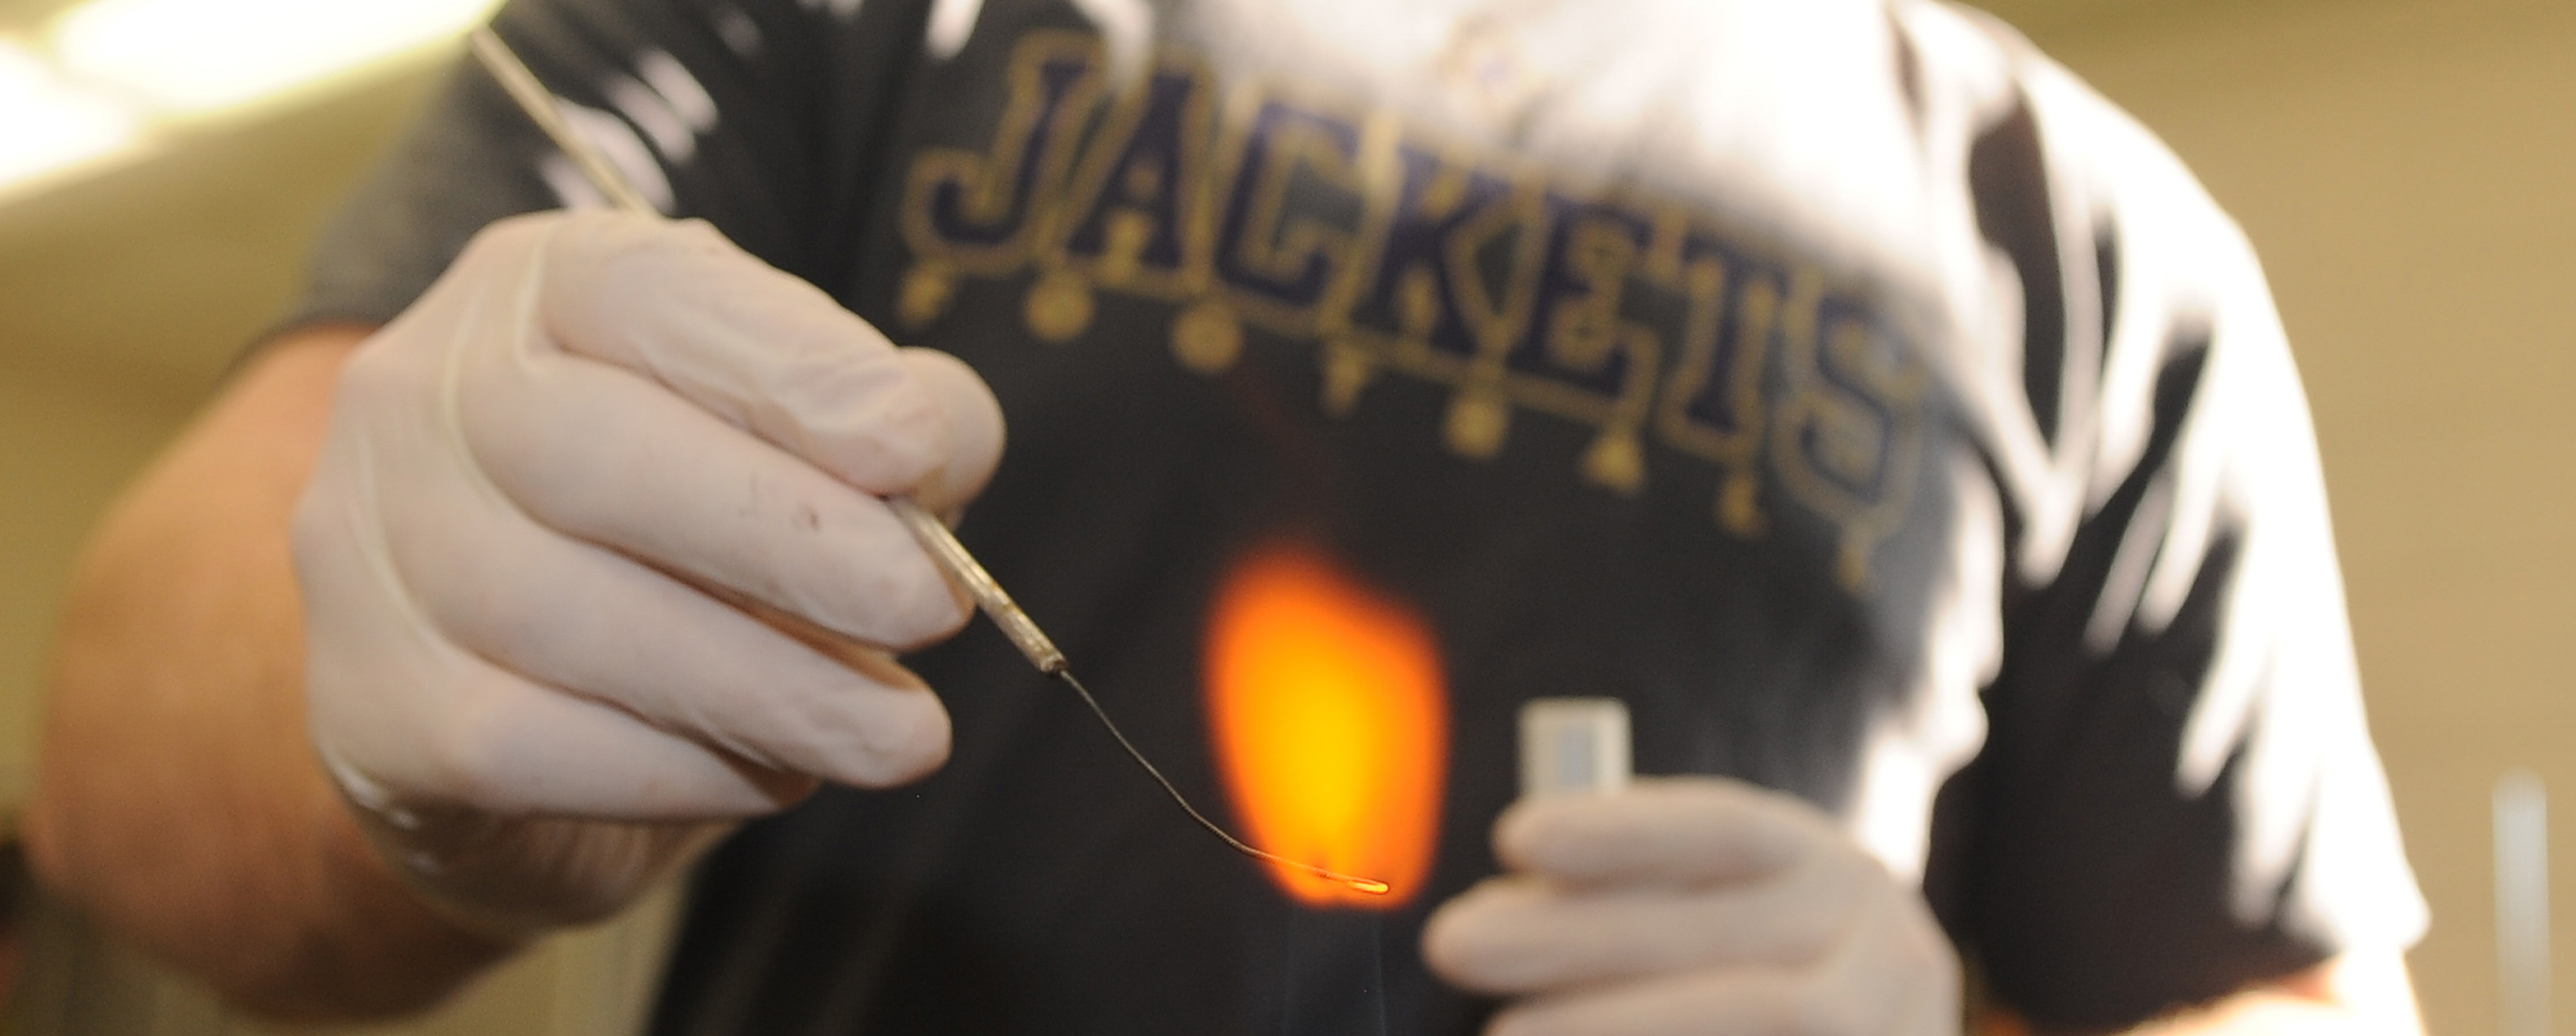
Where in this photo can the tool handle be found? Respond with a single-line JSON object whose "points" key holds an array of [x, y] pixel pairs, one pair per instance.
{"points": [[531, 95], [962, 567]]}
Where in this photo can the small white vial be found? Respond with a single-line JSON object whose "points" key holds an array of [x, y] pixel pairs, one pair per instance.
{"points": [[2522, 904], [1573, 744]]}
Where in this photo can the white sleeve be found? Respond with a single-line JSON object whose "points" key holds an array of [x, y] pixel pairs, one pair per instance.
{"points": [[2179, 794]]}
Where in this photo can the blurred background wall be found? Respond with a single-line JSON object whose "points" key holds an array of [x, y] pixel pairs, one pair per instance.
{"points": [[2406, 167]]}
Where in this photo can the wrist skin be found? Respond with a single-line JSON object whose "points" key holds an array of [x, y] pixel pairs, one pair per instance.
{"points": [[178, 802]]}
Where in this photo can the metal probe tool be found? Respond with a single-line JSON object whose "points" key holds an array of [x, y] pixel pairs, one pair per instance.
{"points": [[951, 556]]}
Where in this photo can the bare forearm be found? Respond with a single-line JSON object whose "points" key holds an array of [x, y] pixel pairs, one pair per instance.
{"points": [[178, 800]]}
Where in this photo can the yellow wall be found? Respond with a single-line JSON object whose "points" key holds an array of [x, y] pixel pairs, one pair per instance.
{"points": [[68, 438], [122, 300], [2407, 167]]}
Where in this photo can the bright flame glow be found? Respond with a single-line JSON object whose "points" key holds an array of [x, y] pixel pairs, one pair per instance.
{"points": [[46, 126], [191, 56], [1330, 714]]}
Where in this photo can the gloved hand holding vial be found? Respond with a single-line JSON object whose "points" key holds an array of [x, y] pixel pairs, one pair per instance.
{"points": [[1684, 904]]}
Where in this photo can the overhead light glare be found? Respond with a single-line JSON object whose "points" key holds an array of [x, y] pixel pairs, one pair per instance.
{"points": [[51, 126], [194, 56]]}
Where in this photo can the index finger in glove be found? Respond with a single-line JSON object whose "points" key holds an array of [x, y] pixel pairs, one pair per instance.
{"points": [[767, 352], [1736, 1003], [598, 453], [1672, 831], [1521, 935], [1890, 973]]}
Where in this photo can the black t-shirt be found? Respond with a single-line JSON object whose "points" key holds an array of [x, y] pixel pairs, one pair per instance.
{"points": [[1873, 409]]}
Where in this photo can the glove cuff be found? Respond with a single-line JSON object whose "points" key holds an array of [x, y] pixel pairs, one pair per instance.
{"points": [[516, 877]]}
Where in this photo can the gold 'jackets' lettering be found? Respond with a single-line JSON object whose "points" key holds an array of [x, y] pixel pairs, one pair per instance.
{"points": [[1392, 252]]}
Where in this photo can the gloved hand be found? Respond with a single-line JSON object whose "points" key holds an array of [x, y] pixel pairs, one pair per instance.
{"points": [[554, 495], [1694, 905]]}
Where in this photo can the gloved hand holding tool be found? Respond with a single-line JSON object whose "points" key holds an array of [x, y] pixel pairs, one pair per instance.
{"points": [[558, 497], [609, 533]]}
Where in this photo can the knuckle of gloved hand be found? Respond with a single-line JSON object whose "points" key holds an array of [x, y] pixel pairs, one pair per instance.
{"points": [[870, 420], [1562, 835], [1834, 870], [603, 238], [1463, 961], [972, 423], [1475, 942], [379, 374], [613, 271], [898, 743], [1540, 1019], [1916, 942], [510, 235], [1819, 1003], [1787, 925], [463, 756], [500, 252], [911, 603], [315, 534]]}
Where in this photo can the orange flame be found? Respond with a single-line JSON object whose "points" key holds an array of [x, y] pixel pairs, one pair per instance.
{"points": [[1330, 715]]}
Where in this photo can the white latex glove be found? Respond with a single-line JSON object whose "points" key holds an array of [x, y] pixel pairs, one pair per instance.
{"points": [[1690, 906], [553, 496]]}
